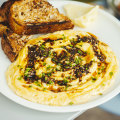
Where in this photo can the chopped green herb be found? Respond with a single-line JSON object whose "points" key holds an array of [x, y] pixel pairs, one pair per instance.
{"points": [[59, 64], [44, 64], [53, 70], [70, 77], [53, 59], [80, 45], [79, 51], [44, 89], [44, 55], [71, 45], [66, 87], [66, 66], [26, 71], [94, 60], [19, 78], [94, 79], [48, 67], [71, 103], [42, 47], [54, 42], [70, 64], [102, 68], [88, 53], [37, 83], [40, 75], [49, 53], [49, 74], [62, 46], [65, 80], [43, 74], [19, 66], [30, 86], [45, 78], [54, 54], [86, 68], [57, 69], [78, 60], [73, 39], [74, 65], [111, 74], [39, 41], [99, 69], [63, 36], [98, 73], [50, 82]]}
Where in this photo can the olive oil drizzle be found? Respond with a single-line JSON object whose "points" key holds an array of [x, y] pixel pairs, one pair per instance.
{"points": [[67, 54]]}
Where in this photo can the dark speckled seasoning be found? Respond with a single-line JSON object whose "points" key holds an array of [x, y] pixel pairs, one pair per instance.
{"points": [[65, 60]]}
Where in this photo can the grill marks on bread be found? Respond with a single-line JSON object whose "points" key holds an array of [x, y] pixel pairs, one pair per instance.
{"points": [[36, 16], [12, 43], [4, 11]]}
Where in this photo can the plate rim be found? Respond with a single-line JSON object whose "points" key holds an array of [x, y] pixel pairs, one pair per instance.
{"points": [[73, 108]]}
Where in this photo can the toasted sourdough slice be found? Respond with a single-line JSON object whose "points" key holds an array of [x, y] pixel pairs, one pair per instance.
{"points": [[3, 28], [4, 9], [12, 43], [36, 16], [3, 17]]}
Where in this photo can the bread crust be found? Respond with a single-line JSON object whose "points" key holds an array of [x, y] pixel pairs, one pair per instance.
{"points": [[4, 10], [12, 44], [35, 28], [8, 50], [3, 28]]}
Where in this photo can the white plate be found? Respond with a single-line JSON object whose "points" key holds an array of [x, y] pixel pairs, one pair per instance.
{"points": [[9, 110], [107, 28]]}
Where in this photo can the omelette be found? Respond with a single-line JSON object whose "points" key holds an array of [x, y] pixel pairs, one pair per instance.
{"points": [[63, 68]]}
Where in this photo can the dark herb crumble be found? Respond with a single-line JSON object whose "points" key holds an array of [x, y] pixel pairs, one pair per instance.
{"points": [[69, 58]]}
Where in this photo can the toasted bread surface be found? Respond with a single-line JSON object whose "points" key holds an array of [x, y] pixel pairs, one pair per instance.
{"points": [[3, 28], [4, 10], [36, 16], [12, 43]]}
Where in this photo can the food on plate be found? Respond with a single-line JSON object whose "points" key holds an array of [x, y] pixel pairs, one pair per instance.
{"points": [[12, 43], [81, 15], [4, 10], [42, 17], [36, 16], [3, 28], [63, 68]]}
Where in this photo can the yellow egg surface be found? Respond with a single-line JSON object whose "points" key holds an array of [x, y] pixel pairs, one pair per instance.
{"points": [[63, 68]]}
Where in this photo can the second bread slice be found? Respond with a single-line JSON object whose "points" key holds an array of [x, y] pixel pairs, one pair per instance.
{"points": [[36, 16]]}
